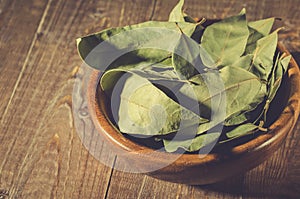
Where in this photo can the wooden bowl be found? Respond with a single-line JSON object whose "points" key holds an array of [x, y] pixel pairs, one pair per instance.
{"points": [[193, 168]]}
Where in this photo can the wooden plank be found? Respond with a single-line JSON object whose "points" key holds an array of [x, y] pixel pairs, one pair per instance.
{"points": [[280, 174], [129, 185], [19, 23], [14, 19], [146, 187], [210, 9], [41, 153]]}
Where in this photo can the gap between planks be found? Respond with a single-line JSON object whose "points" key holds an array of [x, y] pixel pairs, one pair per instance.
{"points": [[110, 177]]}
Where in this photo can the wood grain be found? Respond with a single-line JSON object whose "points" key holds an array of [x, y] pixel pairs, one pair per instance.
{"points": [[42, 156], [18, 22]]}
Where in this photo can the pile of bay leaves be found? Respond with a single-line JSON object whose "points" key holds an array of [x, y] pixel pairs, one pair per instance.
{"points": [[186, 84]]}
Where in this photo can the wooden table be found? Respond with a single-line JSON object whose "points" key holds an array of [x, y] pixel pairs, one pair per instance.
{"points": [[41, 155]]}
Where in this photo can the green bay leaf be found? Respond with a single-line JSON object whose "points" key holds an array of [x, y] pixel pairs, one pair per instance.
{"points": [[148, 41], [224, 95], [263, 55], [263, 26], [186, 58], [191, 145], [177, 14], [258, 30], [242, 130], [249, 111], [144, 109], [225, 41], [277, 74], [241, 88]]}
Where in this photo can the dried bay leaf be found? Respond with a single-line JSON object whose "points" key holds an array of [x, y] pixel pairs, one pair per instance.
{"points": [[154, 72], [192, 144], [270, 90], [242, 130], [225, 41], [155, 114], [274, 83], [249, 112], [177, 14], [241, 88], [278, 72], [178, 80], [110, 77], [143, 39], [186, 58], [258, 30], [263, 26], [262, 61], [244, 62]]}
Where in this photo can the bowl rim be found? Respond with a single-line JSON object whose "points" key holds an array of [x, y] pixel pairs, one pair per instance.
{"points": [[277, 131]]}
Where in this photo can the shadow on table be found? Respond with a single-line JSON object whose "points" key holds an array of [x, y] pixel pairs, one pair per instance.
{"points": [[270, 181], [279, 177], [232, 186], [238, 186]]}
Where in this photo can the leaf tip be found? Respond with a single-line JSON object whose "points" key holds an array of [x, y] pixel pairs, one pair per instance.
{"points": [[243, 11], [78, 40]]}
